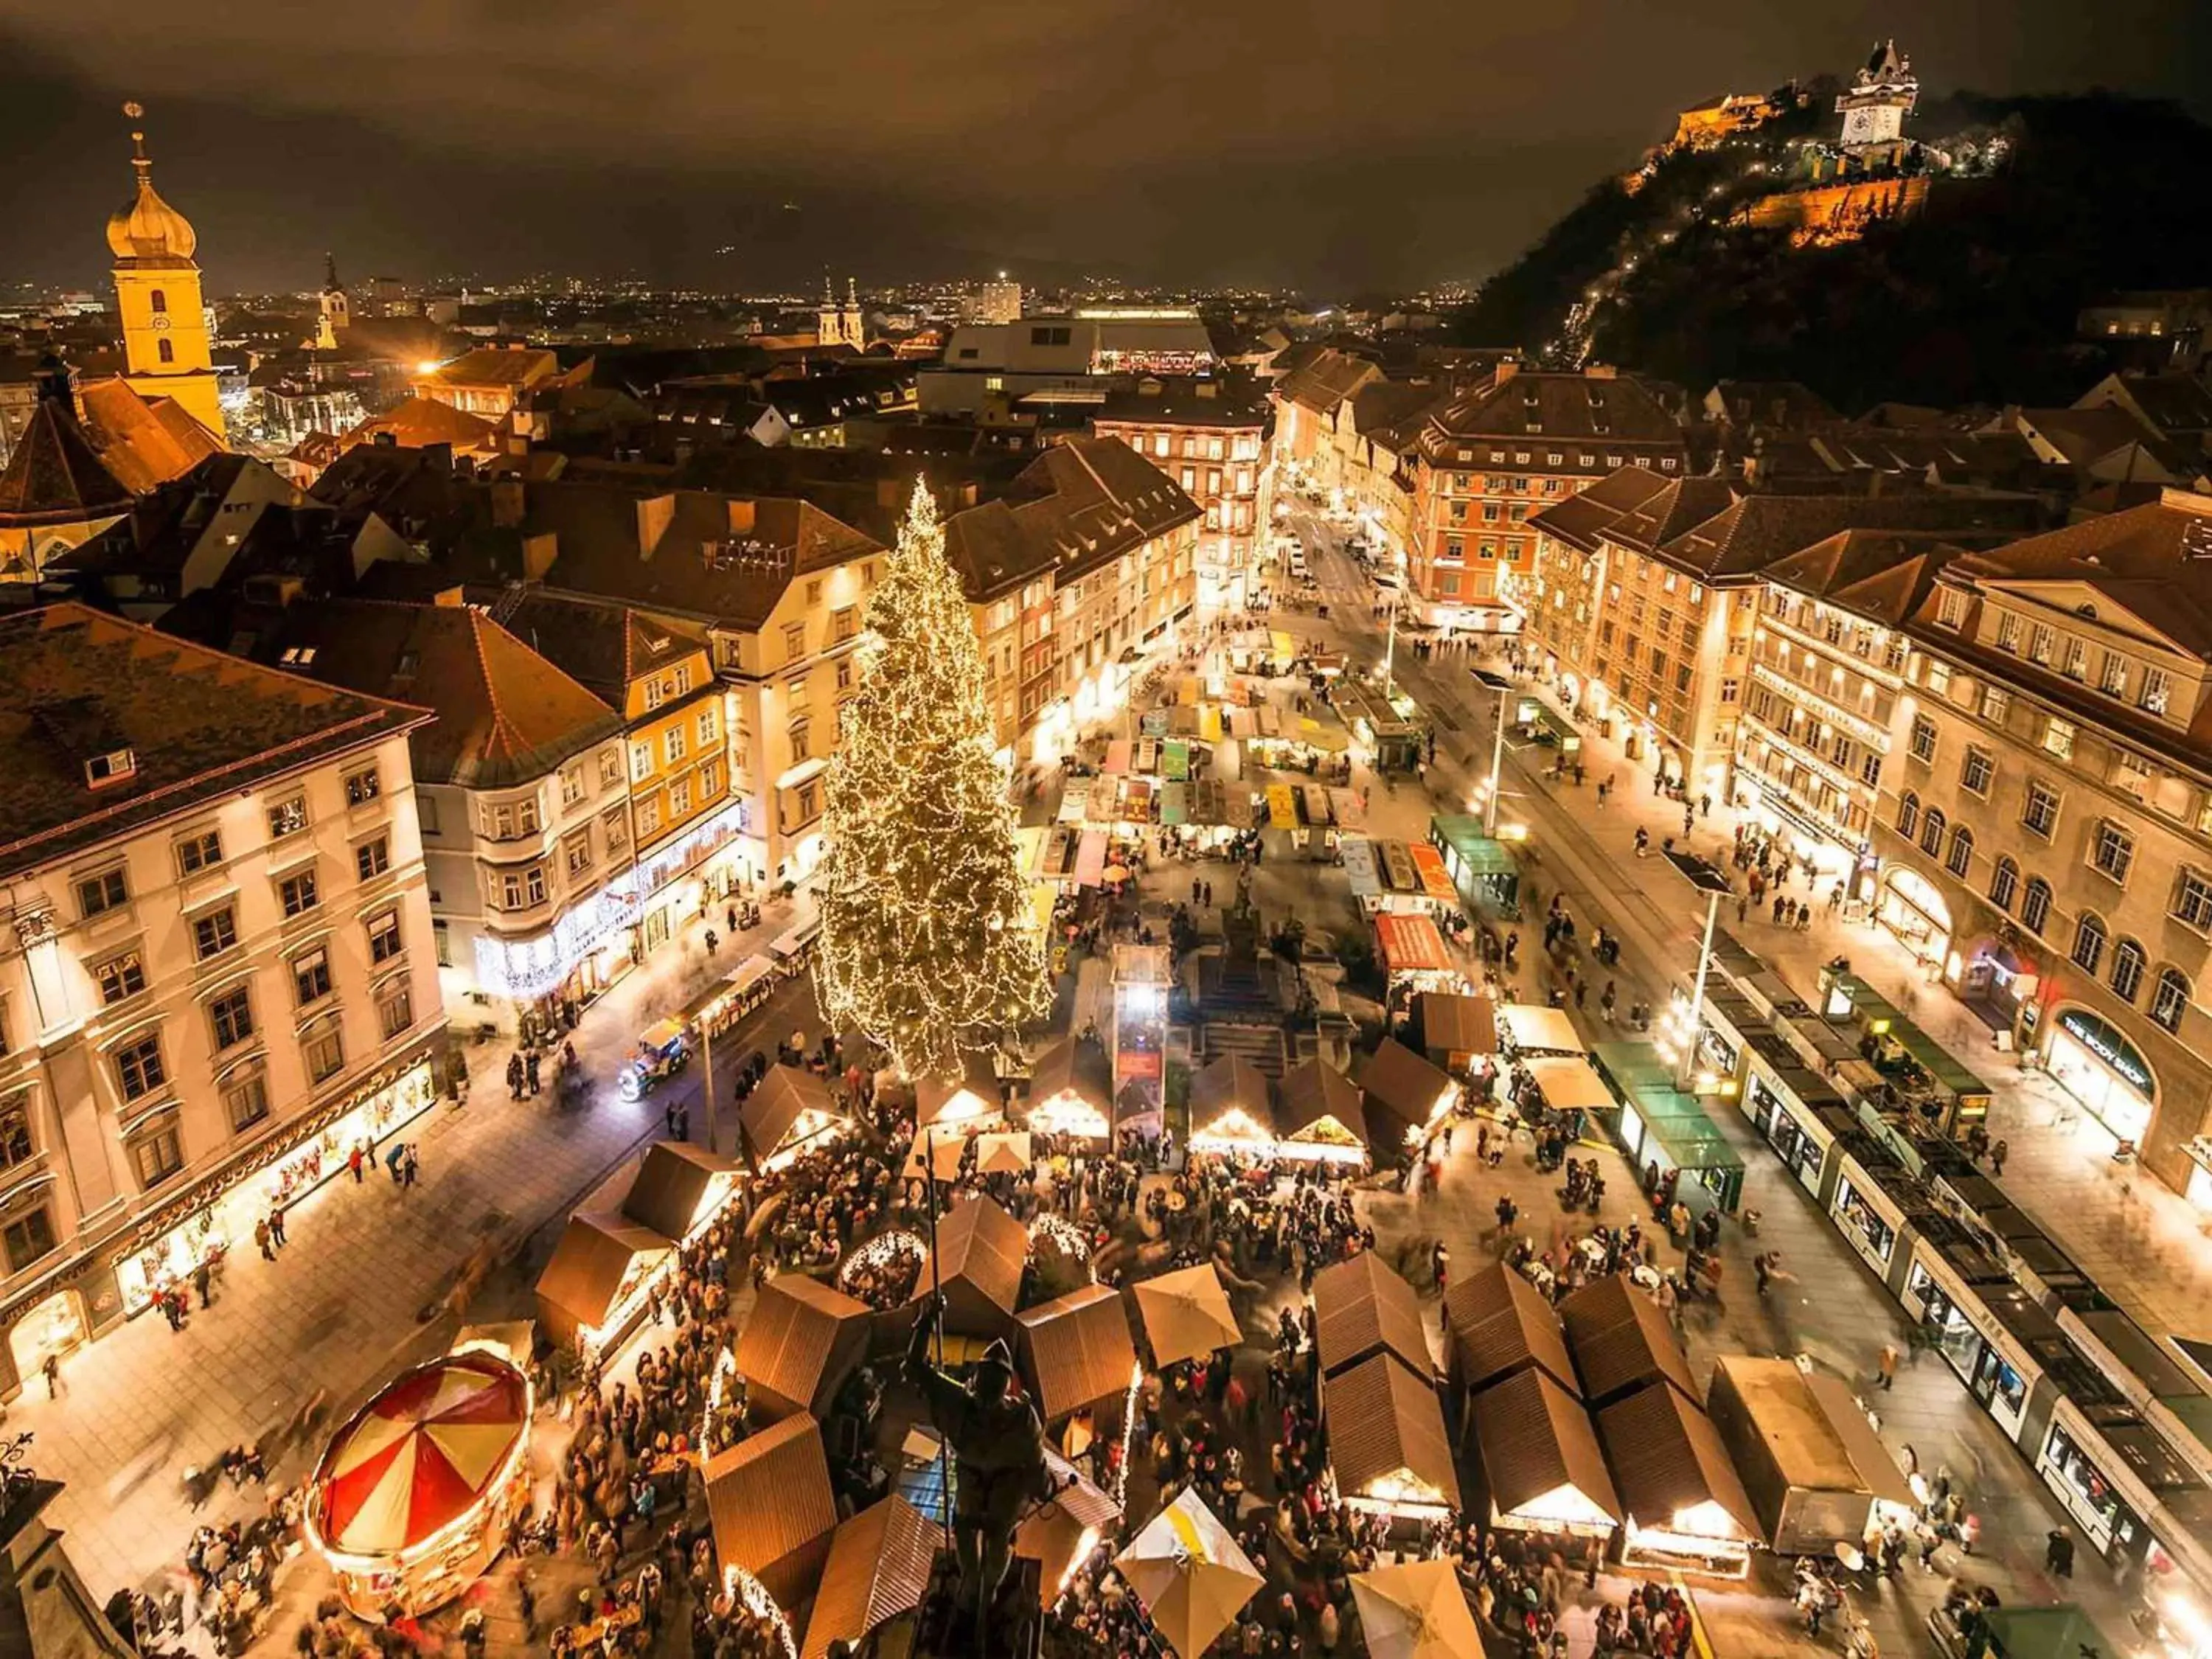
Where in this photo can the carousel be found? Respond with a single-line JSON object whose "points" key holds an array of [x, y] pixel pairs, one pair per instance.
{"points": [[411, 1498]]}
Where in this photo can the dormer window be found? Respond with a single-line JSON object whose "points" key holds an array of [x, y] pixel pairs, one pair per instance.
{"points": [[110, 767], [295, 656]]}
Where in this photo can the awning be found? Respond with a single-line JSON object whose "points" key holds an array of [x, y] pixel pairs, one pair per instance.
{"points": [[1175, 804], [1436, 880], [1284, 648], [1412, 944], [1282, 806], [1569, 1084], [1537, 1028], [1397, 866], [1117, 756], [1323, 735], [1174, 758], [1187, 1314], [1360, 866], [1075, 801], [1313, 801], [1189, 1575], [1416, 1610], [1091, 859]]}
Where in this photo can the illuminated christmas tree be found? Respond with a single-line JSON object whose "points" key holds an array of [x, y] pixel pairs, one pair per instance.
{"points": [[927, 943]]}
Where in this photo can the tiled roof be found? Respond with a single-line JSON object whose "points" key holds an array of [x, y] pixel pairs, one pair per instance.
{"points": [[2082, 435], [1534, 405], [142, 443], [978, 1241], [1621, 1340], [1578, 519], [1666, 514], [1666, 1457], [1075, 1350], [1079, 505], [1233, 400], [1744, 537], [1456, 1022], [1361, 1308], [1381, 1418], [1403, 1082], [605, 646], [163, 525], [417, 423], [793, 1334], [1500, 1323], [505, 713], [55, 476], [1324, 380], [1535, 1438], [201, 726], [879, 1567], [494, 366], [1782, 404]]}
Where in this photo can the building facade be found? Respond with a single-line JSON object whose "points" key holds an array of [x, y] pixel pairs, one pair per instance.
{"points": [[218, 977], [167, 345], [1211, 437]]}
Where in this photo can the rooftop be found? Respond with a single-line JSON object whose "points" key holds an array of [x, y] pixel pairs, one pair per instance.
{"points": [[1079, 505]]}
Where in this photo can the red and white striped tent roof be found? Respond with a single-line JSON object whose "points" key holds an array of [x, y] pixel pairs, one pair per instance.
{"points": [[421, 1455]]}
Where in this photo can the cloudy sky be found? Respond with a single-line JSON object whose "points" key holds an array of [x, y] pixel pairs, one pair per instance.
{"points": [[1327, 145]]}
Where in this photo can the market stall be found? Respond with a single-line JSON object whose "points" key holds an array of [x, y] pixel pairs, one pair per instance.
{"points": [[790, 1111], [1569, 1084], [1814, 1480], [1542, 1467], [1497, 1324], [1415, 956], [1075, 1352], [1318, 1116], [981, 1252], [410, 1500], [797, 1345], [961, 1105], [592, 1290], [680, 1189], [1071, 1090], [1186, 1314], [935, 1155], [773, 1509], [1532, 1028], [1455, 1030], [1059, 1534], [1405, 1098], [1685, 1510], [1232, 1109], [877, 1568], [1387, 1451], [1003, 1151], [1362, 1308], [1622, 1340], [1188, 1575]]}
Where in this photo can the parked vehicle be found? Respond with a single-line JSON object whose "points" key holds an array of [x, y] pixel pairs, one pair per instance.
{"points": [[663, 1050]]}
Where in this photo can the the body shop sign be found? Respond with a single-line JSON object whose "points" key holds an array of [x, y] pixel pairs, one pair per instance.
{"points": [[2109, 1046]]}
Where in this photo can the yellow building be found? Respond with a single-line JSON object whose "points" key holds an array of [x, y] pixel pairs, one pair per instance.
{"points": [[166, 349]]}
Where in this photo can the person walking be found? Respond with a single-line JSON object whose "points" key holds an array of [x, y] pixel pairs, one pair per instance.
{"points": [[356, 1160], [712, 941], [530, 1071], [276, 1225], [261, 1237], [51, 1369], [393, 1159], [203, 1282], [1885, 1364], [514, 1075], [1998, 1153], [1762, 1267], [2058, 1552], [409, 1167]]}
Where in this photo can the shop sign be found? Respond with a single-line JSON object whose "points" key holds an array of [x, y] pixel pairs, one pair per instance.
{"points": [[2109, 1046]]}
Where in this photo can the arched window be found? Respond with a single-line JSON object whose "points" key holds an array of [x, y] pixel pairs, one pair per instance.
{"points": [[2089, 937], [2127, 969], [2169, 1001], [1931, 832], [2004, 882], [1962, 851], [2035, 904], [165, 351], [160, 303], [1908, 814]]}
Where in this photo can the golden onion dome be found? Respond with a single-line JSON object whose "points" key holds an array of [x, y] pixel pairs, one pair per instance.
{"points": [[147, 228]]}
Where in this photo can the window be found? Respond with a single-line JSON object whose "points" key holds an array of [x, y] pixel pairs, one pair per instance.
{"points": [[288, 818], [675, 745], [200, 852], [167, 353], [441, 942], [395, 1009], [572, 784], [521, 888], [610, 767], [2170, 998], [2134, 775], [15, 1143], [299, 893], [2058, 736], [1924, 738], [215, 932], [231, 1018], [2040, 641], [29, 1238], [576, 853], [426, 812], [2035, 904], [384, 941], [2156, 691], [1962, 851], [844, 673], [1939, 678], [1870, 769], [119, 978], [2004, 882], [2114, 852], [362, 787], [159, 302], [2040, 813], [705, 725], [2193, 900], [680, 798], [2008, 632], [2112, 677], [615, 826], [247, 1102], [2074, 662], [1931, 832], [2127, 969], [710, 772], [138, 1068], [100, 893], [372, 858], [795, 639], [1908, 814], [656, 693], [1996, 703], [2088, 943], [648, 816], [324, 1053], [1975, 771], [311, 976], [641, 759]]}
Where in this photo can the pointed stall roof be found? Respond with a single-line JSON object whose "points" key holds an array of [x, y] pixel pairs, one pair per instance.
{"points": [[55, 476], [1313, 1091], [1075, 1350], [878, 1568], [1498, 1324], [678, 1186], [1361, 1308], [772, 1508], [982, 1253], [1621, 1340], [1536, 1441], [799, 1342], [1384, 1420]]}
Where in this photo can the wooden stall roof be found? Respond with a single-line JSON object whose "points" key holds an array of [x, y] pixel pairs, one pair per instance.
{"points": [[1535, 1438], [1383, 1418], [1667, 1456], [1621, 1340], [776, 1102], [980, 1242], [1499, 1323], [1314, 1090], [587, 1265], [1076, 1349], [672, 1186], [792, 1333], [769, 1495], [932, 1095], [1791, 1423], [1459, 1024], [1361, 1307], [1230, 1084], [878, 1568], [1071, 1066], [1403, 1083]]}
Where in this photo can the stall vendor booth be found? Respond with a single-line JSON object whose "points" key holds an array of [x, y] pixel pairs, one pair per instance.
{"points": [[789, 1112], [1685, 1510], [1811, 1463], [1456, 1031], [1363, 1308], [1542, 1471], [1232, 1109], [1622, 1342], [1406, 1099], [593, 1291], [1415, 956], [680, 1190], [1569, 1084], [1387, 1451], [962, 1105], [1189, 1575], [799, 1343], [1071, 1090], [1533, 1028], [878, 1571], [936, 1154], [1496, 1325], [1318, 1116], [410, 1500], [1416, 1610], [773, 1509], [1059, 1534], [1186, 1314], [1075, 1353], [981, 1252], [1483, 870]]}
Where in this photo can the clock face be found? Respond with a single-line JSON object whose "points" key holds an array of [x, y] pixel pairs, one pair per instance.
{"points": [[160, 322]]}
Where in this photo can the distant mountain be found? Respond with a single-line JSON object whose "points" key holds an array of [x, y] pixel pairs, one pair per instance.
{"points": [[1973, 299]]}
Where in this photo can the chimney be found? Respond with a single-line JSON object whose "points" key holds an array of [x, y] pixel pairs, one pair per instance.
{"points": [[507, 503], [538, 553], [1506, 369], [741, 517], [654, 514], [438, 458], [1603, 372], [450, 599]]}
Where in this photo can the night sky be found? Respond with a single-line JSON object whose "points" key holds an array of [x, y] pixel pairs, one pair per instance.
{"points": [[1396, 143]]}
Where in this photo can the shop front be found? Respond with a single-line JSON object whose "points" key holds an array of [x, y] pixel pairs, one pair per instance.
{"points": [[220, 1216], [2199, 1188], [1911, 908], [2104, 1072], [54, 1325], [1997, 982]]}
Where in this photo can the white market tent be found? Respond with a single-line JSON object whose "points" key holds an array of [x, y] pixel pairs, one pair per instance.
{"points": [[1189, 1574], [1570, 1084], [1537, 1028]]}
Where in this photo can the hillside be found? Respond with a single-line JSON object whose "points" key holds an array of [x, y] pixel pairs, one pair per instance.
{"points": [[1973, 299]]}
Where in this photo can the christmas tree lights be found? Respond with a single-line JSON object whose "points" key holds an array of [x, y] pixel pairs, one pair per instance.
{"points": [[927, 945]]}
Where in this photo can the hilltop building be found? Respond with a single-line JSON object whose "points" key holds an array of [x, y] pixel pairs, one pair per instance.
{"points": [[1882, 94]]}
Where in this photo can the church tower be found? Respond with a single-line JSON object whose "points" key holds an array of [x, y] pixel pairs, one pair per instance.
{"points": [[338, 310], [166, 348], [837, 324]]}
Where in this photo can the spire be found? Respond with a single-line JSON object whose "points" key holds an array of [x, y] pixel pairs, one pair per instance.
{"points": [[331, 283], [852, 293], [140, 163], [148, 229]]}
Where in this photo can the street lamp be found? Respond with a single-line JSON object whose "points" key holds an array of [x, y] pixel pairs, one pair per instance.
{"points": [[1497, 685], [1710, 880]]}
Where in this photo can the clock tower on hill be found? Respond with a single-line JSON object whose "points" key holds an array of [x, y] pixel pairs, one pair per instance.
{"points": [[166, 349]]}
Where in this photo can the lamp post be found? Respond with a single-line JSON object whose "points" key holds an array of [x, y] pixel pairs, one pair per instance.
{"points": [[1709, 879], [1497, 685]]}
